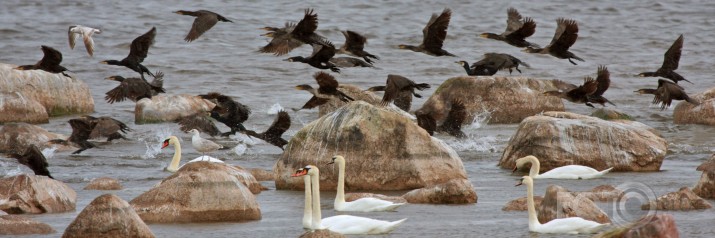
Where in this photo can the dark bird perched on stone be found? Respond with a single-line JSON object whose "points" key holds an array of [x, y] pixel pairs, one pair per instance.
{"points": [[228, 111], [327, 89], [452, 124], [200, 121], [81, 129], [399, 90], [491, 63], [603, 78], [354, 45], [34, 159], [134, 89], [273, 134], [50, 62], [107, 127], [671, 60], [203, 22], [666, 93], [433, 35], [293, 35], [577, 95], [137, 52], [564, 37], [517, 30], [347, 62], [320, 58]]}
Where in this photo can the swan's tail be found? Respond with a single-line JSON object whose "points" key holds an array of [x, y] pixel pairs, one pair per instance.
{"points": [[393, 207], [390, 226], [597, 175], [605, 171]]}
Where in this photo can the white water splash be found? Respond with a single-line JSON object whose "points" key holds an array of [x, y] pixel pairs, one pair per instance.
{"points": [[49, 152], [480, 144], [240, 149], [153, 145], [480, 120], [273, 110]]}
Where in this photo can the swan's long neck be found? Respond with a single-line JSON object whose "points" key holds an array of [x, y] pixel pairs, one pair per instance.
{"points": [[533, 221], [340, 197], [174, 165], [315, 186], [307, 212], [535, 165]]}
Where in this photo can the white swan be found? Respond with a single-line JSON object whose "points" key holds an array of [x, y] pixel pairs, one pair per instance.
{"points": [[360, 205], [570, 225], [563, 172], [343, 224], [174, 165], [202, 145]]}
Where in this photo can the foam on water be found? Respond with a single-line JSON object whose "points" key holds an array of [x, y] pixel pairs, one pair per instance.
{"points": [[49, 152], [274, 109], [153, 145]]}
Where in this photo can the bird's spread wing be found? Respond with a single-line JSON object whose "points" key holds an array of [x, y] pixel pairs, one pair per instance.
{"points": [[72, 36], [140, 46], [589, 86], [314, 102], [436, 30], [513, 21], [51, 56], [81, 129], [323, 51], [455, 118], [566, 34], [279, 126], [354, 41], [327, 82], [306, 26], [88, 42], [603, 77], [202, 23], [426, 121], [199, 121], [672, 56]]}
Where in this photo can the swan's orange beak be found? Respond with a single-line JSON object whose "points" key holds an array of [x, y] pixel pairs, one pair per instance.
{"points": [[300, 172], [165, 144]]}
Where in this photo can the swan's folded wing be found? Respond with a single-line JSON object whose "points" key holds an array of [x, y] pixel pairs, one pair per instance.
{"points": [[570, 225]]}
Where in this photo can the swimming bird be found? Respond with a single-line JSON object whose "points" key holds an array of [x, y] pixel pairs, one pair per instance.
{"points": [[517, 30], [320, 58], [569, 225], [34, 159], [86, 33], [491, 63], [563, 172], [134, 89], [273, 134], [327, 89], [203, 22], [50, 62], [564, 37], [176, 159], [137, 52], [81, 129], [367, 204], [603, 78], [354, 45], [202, 145], [452, 125], [666, 93], [293, 35], [228, 111], [399, 89], [200, 121], [346, 62], [577, 95], [433, 35], [107, 127], [671, 60]]}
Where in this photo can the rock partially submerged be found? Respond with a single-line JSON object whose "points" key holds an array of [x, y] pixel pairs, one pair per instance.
{"points": [[15, 137], [602, 193], [508, 99], [168, 107], [564, 138], [683, 199], [559, 203], [19, 225], [611, 114], [455, 191], [103, 183], [198, 192], [383, 150], [58, 95], [262, 174], [520, 204], [688, 113], [706, 186], [649, 226], [325, 233], [107, 216], [35, 194]]}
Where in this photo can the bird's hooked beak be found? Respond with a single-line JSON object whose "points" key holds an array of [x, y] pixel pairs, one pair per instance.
{"points": [[483, 35], [288, 59], [103, 62], [109, 78]]}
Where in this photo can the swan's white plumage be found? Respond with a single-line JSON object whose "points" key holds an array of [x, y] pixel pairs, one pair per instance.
{"points": [[359, 205], [571, 225], [563, 172], [174, 165], [343, 224]]}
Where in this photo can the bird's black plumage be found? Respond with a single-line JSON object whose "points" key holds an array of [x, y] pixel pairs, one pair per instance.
{"points": [[204, 21], [50, 62], [137, 53]]}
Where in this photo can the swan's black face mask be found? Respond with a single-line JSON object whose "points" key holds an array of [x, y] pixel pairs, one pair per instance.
{"points": [[521, 181], [165, 144], [332, 161]]}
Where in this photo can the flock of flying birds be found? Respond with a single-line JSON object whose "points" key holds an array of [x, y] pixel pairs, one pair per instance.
{"points": [[398, 89]]}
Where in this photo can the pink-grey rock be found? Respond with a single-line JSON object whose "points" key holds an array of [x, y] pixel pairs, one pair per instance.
{"points": [[649, 226], [520, 204], [108, 216], [683, 199], [15, 107], [35, 194], [325, 233], [262, 174], [602, 193], [104, 183], [564, 138], [20, 225], [14, 136], [352, 91], [169, 107], [559, 203], [704, 114], [706, 185], [455, 191]]}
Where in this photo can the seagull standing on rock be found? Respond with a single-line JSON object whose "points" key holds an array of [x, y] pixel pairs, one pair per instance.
{"points": [[203, 145]]}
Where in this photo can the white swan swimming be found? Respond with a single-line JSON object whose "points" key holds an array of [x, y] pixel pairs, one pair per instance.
{"points": [[563, 172], [174, 165], [570, 225], [343, 224], [361, 205]]}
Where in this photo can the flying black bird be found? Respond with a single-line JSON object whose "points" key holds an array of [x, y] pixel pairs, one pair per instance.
{"points": [[603, 78], [327, 89], [491, 63], [452, 124], [577, 95], [293, 35], [134, 88], [399, 90], [273, 134], [50, 62], [107, 127], [137, 52], [200, 121], [203, 22], [671, 60], [666, 93], [228, 111], [433, 35], [517, 30], [564, 37], [354, 45], [320, 58], [81, 129], [35, 160]]}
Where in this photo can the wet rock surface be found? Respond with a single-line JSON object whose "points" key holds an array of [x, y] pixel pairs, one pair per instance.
{"points": [[107, 216]]}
